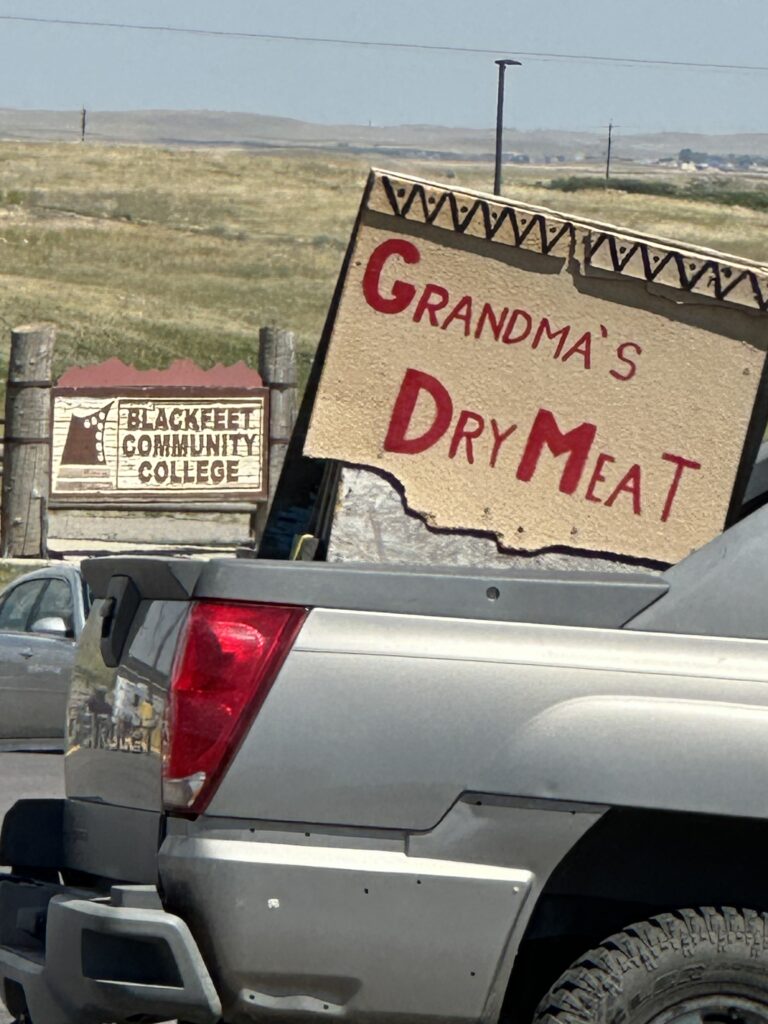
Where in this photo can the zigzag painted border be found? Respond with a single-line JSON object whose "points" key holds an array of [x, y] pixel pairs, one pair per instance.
{"points": [[473, 215], [687, 271], [554, 235]]}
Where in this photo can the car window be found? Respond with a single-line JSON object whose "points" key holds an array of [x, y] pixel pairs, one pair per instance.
{"points": [[56, 602], [17, 606]]}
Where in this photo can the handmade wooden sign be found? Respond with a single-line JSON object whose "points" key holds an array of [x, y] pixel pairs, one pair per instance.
{"points": [[142, 439], [552, 382]]}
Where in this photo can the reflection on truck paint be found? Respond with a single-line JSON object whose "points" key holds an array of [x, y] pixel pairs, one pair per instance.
{"points": [[129, 717]]}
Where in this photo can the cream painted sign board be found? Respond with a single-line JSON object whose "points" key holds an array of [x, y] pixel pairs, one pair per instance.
{"points": [[549, 381], [161, 444]]}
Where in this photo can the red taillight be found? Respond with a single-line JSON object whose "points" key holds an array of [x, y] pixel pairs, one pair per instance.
{"points": [[228, 658]]}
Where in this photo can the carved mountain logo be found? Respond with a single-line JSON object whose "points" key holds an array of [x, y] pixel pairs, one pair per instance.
{"points": [[85, 439]]}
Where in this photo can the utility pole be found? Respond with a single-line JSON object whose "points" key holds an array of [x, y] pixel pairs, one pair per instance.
{"points": [[503, 65], [608, 156], [82, 125]]}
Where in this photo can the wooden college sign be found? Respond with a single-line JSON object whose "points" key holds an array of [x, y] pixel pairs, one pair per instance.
{"points": [[121, 443], [549, 381]]}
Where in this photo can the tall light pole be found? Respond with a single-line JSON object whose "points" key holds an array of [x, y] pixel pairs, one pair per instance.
{"points": [[608, 155], [503, 65]]}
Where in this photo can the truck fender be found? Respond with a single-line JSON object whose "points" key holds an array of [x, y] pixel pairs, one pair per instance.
{"points": [[660, 753]]}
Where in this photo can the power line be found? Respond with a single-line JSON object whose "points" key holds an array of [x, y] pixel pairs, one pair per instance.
{"points": [[371, 43]]}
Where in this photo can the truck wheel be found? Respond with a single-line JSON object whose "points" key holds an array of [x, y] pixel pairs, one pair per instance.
{"points": [[701, 966]]}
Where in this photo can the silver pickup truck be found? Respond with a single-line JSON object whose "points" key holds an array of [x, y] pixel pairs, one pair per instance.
{"points": [[381, 794]]}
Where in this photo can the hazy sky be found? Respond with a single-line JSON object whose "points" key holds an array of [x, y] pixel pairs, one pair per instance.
{"points": [[64, 67]]}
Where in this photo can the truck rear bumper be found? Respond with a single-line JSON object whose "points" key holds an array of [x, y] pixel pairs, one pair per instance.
{"points": [[304, 930], [103, 960]]}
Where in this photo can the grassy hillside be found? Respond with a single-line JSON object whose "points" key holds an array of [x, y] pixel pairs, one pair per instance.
{"points": [[152, 253], [229, 128]]}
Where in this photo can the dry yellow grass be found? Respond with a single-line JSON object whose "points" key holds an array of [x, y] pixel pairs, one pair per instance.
{"points": [[151, 253]]}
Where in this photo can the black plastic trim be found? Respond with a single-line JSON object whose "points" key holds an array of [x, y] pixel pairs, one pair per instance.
{"points": [[556, 598], [156, 579], [553, 597], [32, 833]]}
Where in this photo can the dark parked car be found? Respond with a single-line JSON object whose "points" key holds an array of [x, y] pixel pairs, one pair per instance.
{"points": [[41, 616]]}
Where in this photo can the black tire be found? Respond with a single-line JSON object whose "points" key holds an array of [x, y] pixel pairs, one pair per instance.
{"points": [[700, 966]]}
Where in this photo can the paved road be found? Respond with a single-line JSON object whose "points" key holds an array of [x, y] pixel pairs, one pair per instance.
{"points": [[28, 775]]}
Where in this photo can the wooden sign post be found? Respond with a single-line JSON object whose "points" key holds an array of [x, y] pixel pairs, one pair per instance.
{"points": [[26, 456]]}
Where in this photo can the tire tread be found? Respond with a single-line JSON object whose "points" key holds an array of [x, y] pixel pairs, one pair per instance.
{"points": [[578, 996]]}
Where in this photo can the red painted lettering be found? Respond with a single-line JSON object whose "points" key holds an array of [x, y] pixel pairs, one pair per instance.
{"points": [[402, 293], [433, 298], [496, 323], [597, 476], [575, 443], [509, 336], [414, 383], [630, 483], [583, 347], [545, 329], [629, 374], [461, 311], [681, 465], [499, 437], [463, 432]]}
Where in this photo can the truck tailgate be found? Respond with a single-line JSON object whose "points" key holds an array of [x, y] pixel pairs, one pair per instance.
{"points": [[118, 715]]}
